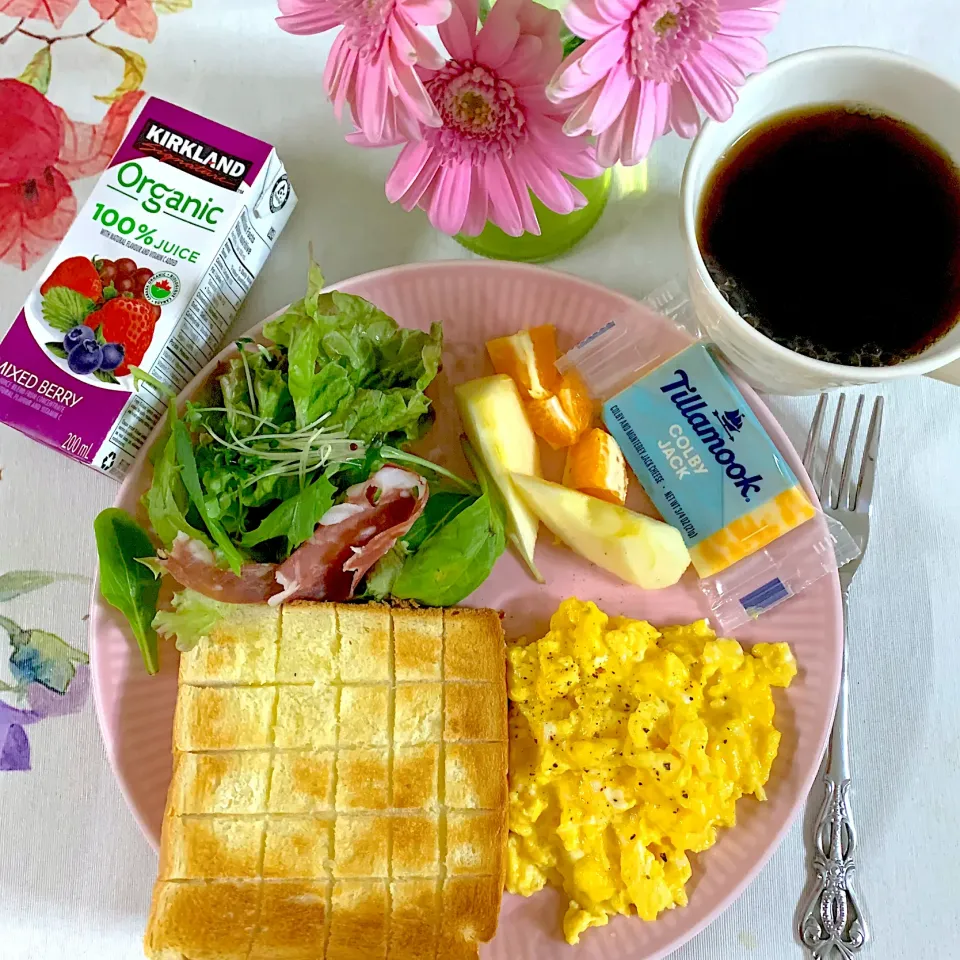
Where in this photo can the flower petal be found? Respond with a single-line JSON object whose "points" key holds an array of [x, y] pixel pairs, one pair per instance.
{"points": [[502, 204], [476, 218], [616, 10], [749, 52], [616, 89], [523, 65], [721, 64], [317, 20], [646, 129], [631, 121], [521, 191], [413, 158], [413, 100], [457, 33], [579, 121], [451, 197], [713, 92], [608, 143], [426, 13], [421, 189], [684, 115], [588, 20], [662, 93], [603, 53], [553, 190], [749, 23], [371, 105], [570, 81], [499, 35]]}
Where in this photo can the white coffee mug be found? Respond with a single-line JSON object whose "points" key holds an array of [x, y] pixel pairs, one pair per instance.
{"points": [[892, 83]]}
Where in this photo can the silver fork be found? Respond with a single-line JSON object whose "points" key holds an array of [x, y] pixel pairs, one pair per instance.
{"points": [[832, 919]]}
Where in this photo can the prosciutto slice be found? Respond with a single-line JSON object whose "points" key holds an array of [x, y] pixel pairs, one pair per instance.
{"points": [[352, 536], [192, 564], [349, 539]]}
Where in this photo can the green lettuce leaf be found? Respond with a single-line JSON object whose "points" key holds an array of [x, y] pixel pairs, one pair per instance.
{"points": [[381, 578], [192, 619], [166, 502]]}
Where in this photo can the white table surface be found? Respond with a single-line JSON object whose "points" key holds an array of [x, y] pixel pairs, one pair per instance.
{"points": [[75, 873]]}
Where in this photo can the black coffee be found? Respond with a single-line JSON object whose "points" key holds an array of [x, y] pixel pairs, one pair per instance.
{"points": [[835, 231]]}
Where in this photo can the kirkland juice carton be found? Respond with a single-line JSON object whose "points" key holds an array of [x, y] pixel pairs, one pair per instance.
{"points": [[150, 275]]}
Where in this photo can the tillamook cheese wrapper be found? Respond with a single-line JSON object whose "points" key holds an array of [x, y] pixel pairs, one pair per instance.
{"points": [[707, 463]]}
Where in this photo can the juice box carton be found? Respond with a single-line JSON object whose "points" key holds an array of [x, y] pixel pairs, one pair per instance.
{"points": [[149, 275]]}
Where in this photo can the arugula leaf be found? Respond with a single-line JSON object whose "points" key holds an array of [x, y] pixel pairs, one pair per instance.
{"points": [[295, 518], [192, 618], [64, 308], [191, 480], [442, 506], [124, 583], [453, 562]]}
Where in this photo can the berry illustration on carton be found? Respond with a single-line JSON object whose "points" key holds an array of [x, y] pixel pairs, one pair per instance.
{"points": [[150, 275]]}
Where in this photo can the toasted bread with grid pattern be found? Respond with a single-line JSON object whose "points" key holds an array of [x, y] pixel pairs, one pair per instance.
{"points": [[339, 788]]}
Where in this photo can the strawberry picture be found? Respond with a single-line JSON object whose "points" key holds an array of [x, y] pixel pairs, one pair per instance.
{"points": [[77, 274], [129, 322]]}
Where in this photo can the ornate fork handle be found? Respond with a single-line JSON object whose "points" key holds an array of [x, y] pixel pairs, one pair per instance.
{"points": [[832, 920]]}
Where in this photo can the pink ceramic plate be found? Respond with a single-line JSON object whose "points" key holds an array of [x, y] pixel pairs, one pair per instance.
{"points": [[476, 301]]}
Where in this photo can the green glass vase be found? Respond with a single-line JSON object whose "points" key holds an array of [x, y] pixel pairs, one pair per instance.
{"points": [[558, 232]]}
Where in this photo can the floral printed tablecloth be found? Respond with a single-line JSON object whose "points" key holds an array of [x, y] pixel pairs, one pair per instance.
{"points": [[75, 873]]}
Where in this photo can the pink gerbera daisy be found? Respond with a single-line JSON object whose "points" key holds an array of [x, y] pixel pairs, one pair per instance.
{"points": [[651, 64], [500, 138], [373, 60]]}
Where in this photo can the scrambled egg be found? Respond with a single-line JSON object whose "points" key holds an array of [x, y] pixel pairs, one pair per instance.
{"points": [[628, 748]]}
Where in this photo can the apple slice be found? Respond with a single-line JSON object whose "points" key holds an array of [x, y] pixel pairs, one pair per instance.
{"points": [[638, 549], [496, 426]]}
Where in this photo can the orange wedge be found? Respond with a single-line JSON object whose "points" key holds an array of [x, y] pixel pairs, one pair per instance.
{"points": [[528, 357], [562, 418], [595, 466], [576, 401]]}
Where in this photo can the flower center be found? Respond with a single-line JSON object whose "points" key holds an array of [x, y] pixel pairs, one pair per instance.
{"points": [[365, 23], [666, 33], [480, 112]]}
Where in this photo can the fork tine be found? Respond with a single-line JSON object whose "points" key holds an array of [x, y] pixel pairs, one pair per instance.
{"points": [[869, 464], [813, 437], [847, 494], [825, 492]]}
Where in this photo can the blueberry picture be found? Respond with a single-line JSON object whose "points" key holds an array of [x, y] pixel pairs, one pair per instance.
{"points": [[112, 356], [85, 357], [77, 335]]}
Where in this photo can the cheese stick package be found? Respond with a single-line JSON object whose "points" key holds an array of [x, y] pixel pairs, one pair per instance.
{"points": [[706, 461]]}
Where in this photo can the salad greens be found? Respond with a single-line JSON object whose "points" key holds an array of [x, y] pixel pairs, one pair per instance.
{"points": [[126, 583], [192, 618], [455, 560], [276, 438]]}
